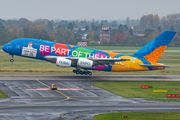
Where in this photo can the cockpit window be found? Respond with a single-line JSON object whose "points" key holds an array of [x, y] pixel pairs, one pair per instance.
{"points": [[10, 43]]}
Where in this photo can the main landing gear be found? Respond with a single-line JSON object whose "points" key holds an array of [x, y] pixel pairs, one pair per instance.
{"points": [[78, 71], [12, 60]]}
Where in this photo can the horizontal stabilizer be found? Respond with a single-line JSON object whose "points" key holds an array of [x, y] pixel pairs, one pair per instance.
{"points": [[147, 65]]}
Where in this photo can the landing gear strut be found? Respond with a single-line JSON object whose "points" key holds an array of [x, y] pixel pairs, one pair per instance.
{"points": [[12, 60], [79, 71]]}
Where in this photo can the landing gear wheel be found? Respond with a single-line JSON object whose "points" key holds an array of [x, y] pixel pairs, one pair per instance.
{"points": [[77, 72], [85, 72], [74, 71], [89, 73], [11, 60], [81, 72]]}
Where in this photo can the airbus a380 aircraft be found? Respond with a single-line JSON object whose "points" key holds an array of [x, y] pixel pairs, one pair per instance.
{"points": [[64, 55]]}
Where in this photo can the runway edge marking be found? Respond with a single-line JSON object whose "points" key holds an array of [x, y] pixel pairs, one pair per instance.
{"points": [[55, 90]]}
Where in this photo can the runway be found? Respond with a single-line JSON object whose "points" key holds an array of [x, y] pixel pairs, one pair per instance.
{"points": [[93, 77], [70, 105]]}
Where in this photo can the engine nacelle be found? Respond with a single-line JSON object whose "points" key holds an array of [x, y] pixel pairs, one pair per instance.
{"points": [[63, 62], [85, 63]]}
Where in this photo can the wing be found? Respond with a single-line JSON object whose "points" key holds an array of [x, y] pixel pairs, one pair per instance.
{"points": [[106, 61], [51, 58], [96, 61]]}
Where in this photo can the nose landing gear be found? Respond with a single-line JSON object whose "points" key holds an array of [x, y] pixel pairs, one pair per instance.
{"points": [[12, 60], [78, 71]]}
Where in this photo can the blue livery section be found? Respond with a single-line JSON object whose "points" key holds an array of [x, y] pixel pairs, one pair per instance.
{"points": [[162, 40], [39, 49]]}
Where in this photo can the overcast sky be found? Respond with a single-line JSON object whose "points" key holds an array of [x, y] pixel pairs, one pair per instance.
{"points": [[86, 9]]}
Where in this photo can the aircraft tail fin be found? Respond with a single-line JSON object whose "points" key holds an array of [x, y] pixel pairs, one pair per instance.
{"points": [[153, 50]]}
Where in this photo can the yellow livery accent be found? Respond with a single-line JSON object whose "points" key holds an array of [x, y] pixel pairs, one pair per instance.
{"points": [[131, 65], [71, 46]]}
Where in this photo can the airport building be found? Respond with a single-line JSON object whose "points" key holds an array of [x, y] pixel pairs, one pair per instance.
{"points": [[104, 34]]}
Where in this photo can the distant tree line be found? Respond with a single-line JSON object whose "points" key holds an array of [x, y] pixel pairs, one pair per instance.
{"points": [[131, 32]]}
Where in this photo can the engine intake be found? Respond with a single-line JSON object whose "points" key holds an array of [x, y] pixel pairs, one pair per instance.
{"points": [[85, 63], [63, 62]]}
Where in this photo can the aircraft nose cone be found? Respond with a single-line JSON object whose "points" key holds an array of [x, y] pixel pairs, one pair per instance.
{"points": [[4, 47]]}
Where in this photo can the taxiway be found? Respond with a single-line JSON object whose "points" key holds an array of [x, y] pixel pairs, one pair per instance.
{"points": [[70, 105]]}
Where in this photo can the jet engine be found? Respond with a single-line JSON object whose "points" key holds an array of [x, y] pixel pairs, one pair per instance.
{"points": [[85, 63], [63, 62]]}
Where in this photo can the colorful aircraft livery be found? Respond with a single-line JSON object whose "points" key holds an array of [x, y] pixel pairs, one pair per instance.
{"points": [[64, 55]]}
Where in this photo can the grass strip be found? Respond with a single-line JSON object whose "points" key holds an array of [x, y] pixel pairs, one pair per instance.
{"points": [[139, 116], [132, 89], [3, 95]]}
